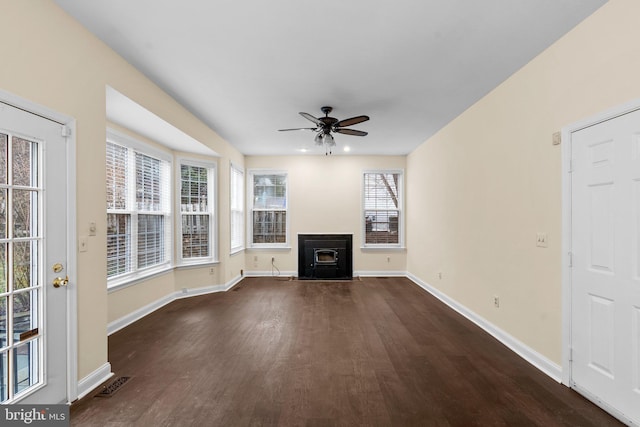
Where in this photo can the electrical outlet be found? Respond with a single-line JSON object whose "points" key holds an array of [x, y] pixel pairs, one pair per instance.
{"points": [[212, 270], [388, 259], [496, 302], [83, 244], [440, 275], [273, 259], [541, 239]]}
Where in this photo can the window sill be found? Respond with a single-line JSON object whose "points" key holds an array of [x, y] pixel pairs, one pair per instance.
{"points": [[130, 280], [383, 248], [269, 248], [199, 264], [236, 251]]}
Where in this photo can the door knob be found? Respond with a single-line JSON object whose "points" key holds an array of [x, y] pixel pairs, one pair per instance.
{"points": [[59, 281]]}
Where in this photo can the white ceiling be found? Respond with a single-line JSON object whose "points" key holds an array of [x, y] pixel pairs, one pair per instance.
{"points": [[247, 67]]}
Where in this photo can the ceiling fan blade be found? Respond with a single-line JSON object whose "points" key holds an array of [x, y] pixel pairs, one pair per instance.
{"points": [[352, 132], [310, 117], [352, 121], [285, 130]]}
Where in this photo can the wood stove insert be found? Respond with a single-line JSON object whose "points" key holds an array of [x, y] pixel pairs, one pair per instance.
{"points": [[325, 256]]}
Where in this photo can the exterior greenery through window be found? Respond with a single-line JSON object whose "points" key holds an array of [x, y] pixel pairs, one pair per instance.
{"points": [[138, 212], [237, 208], [196, 211], [269, 210], [383, 208]]}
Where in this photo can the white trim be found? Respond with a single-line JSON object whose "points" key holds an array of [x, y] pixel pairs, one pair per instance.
{"points": [[268, 273], [72, 266], [389, 273], [72, 269], [138, 314], [93, 380], [250, 173], [527, 353], [401, 213], [212, 187]]}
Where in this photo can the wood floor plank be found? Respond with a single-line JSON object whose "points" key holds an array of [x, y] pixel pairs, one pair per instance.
{"points": [[369, 352]]}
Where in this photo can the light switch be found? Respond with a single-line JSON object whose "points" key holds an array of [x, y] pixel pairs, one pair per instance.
{"points": [[92, 228]]}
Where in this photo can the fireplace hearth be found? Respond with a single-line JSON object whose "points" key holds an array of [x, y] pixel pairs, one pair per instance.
{"points": [[325, 256]]}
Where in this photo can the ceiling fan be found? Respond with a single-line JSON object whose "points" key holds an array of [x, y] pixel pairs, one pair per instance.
{"points": [[325, 125]]}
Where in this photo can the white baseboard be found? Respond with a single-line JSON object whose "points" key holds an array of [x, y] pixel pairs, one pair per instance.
{"points": [[550, 368], [94, 379], [380, 274], [270, 273], [128, 319]]}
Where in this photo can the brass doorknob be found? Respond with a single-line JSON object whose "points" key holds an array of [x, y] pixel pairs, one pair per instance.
{"points": [[59, 281]]}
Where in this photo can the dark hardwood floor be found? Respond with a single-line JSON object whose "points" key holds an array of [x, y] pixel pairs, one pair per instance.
{"points": [[374, 352]]}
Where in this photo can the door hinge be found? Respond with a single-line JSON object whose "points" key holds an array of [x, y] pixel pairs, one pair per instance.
{"points": [[570, 354], [570, 165], [570, 259], [65, 131]]}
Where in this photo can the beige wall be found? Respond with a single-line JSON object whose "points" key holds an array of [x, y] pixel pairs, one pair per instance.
{"points": [[480, 189], [477, 192], [53, 61], [325, 196]]}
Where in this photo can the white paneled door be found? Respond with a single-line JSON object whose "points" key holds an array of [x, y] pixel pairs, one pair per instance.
{"points": [[33, 259], [605, 241]]}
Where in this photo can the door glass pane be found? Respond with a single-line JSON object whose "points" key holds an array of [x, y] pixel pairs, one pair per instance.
{"points": [[3, 158], [3, 268], [25, 209], [4, 389], [3, 213], [3, 322], [25, 315], [25, 365], [25, 257], [24, 163]]}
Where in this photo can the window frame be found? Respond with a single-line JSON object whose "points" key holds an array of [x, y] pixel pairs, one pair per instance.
{"points": [[134, 147], [399, 209], [251, 173], [233, 186], [212, 196]]}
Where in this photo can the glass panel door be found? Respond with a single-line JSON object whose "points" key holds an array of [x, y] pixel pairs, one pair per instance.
{"points": [[20, 266]]}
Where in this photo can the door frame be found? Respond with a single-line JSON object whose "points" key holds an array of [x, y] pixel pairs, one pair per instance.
{"points": [[567, 131], [72, 296]]}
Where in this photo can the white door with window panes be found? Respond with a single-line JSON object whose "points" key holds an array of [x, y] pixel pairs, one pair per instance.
{"points": [[33, 256]]}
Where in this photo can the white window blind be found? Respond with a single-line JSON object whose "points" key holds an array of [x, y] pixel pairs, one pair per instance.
{"points": [[382, 207], [196, 212], [237, 208], [138, 211]]}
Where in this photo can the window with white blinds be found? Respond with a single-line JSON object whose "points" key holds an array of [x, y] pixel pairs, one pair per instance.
{"points": [[236, 203], [269, 225], [196, 182], [382, 216], [138, 210]]}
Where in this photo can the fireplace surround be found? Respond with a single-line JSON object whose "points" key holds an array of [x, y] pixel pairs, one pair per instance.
{"points": [[325, 256]]}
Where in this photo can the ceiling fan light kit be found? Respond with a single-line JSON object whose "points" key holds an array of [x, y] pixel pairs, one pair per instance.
{"points": [[325, 125]]}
